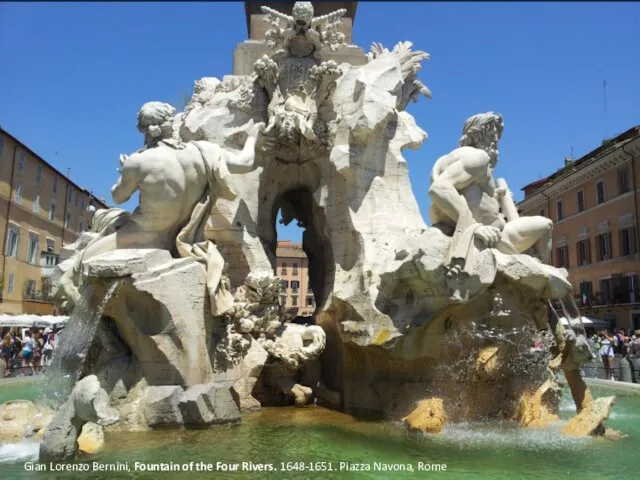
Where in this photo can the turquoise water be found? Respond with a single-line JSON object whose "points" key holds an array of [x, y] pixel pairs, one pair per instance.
{"points": [[315, 435], [24, 388]]}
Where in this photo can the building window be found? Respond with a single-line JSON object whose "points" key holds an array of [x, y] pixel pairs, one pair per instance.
{"points": [[10, 283], [82, 205], [30, 288], [36, 202], [51, 245], [583, 248], [294, 301], [50, 260], [67, 222], [21, 162], [559, 210], [34, 248], [586, 292], [18, 195], [38, 174], [562, 257], [542, 213], [600, 192], [13, 241], [309, 301], [628, 245], [623, 181], [55, 184], [283, 300], [295, 285], [52, 211], [284, 284], [284, 268], [77, 195], [604, 246], [580, 201], [1, 145], [294, 269], [69, 195], [632, 287], [605, 290]]}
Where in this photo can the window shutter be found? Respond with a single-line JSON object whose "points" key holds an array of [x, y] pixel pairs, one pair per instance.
{"points": [[621, 251]]}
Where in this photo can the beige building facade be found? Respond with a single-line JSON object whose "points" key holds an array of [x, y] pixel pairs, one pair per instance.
{"points": [[40, 211], [594, 205], [292, 266]]}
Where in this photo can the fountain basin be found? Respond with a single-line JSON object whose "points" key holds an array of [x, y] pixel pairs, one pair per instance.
{"points": [[286, 437]]}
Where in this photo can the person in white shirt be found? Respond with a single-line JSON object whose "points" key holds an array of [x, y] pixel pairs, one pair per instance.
{"points": [[606, 354]]}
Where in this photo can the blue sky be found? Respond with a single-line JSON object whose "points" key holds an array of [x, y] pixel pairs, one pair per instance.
{"points": [[74, 75]]}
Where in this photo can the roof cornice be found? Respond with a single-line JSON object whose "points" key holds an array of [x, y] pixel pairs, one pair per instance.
{"points": [[590, 170]]}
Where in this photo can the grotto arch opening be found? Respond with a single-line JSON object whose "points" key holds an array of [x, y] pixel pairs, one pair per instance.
{"points": [[297, 205]]}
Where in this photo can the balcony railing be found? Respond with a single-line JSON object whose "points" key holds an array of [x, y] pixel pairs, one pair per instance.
{"points": [[616, 297], [37, 296], [48, 262]]}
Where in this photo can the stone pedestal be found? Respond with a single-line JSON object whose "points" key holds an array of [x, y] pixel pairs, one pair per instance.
{"points": [[247, 52]]}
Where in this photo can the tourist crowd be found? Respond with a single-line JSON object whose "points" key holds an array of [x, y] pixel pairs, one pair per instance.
{"points": [[27, 352], [607, 347]]}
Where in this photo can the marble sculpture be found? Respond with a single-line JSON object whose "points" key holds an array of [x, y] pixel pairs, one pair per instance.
{"points": [[196, 333]]}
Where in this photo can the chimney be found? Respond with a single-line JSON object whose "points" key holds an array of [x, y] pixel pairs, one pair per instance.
{"points": [[568, 161]]}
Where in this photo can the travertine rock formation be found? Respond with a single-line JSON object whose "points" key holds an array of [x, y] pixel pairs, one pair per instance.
{"points": [[428, 417], [23, 420]]}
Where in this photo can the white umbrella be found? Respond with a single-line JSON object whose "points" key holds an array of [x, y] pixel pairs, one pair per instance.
{"points": [[33, 321], [588, 322]]}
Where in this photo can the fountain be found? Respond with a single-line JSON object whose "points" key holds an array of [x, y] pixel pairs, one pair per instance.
{"points": [[177, 306]]}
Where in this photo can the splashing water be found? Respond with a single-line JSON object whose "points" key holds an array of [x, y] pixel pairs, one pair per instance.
{"points": [[73, 345], [490, 389], [22, 451], [570, 311]]}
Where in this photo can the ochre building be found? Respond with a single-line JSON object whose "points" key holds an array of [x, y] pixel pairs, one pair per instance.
{"points": [[292, 266], [40, 211], [593, 202]]}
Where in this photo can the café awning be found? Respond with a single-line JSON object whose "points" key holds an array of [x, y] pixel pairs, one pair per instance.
{"points": [[588, 322], [33, 321]]}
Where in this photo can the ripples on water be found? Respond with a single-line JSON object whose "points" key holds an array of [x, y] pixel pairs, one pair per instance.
{"points": [[480, 435], [486, 450]]}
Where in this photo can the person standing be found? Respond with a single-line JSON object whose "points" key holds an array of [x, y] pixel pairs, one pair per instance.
{"points": [[634, 355], [619, 345], [7, 347], [606, 354], [38, 344], [47, 351], [27, 351], [16, 352]]}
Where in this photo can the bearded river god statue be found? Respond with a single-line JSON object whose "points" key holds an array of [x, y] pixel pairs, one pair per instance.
{"points": [[186, 315]]}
